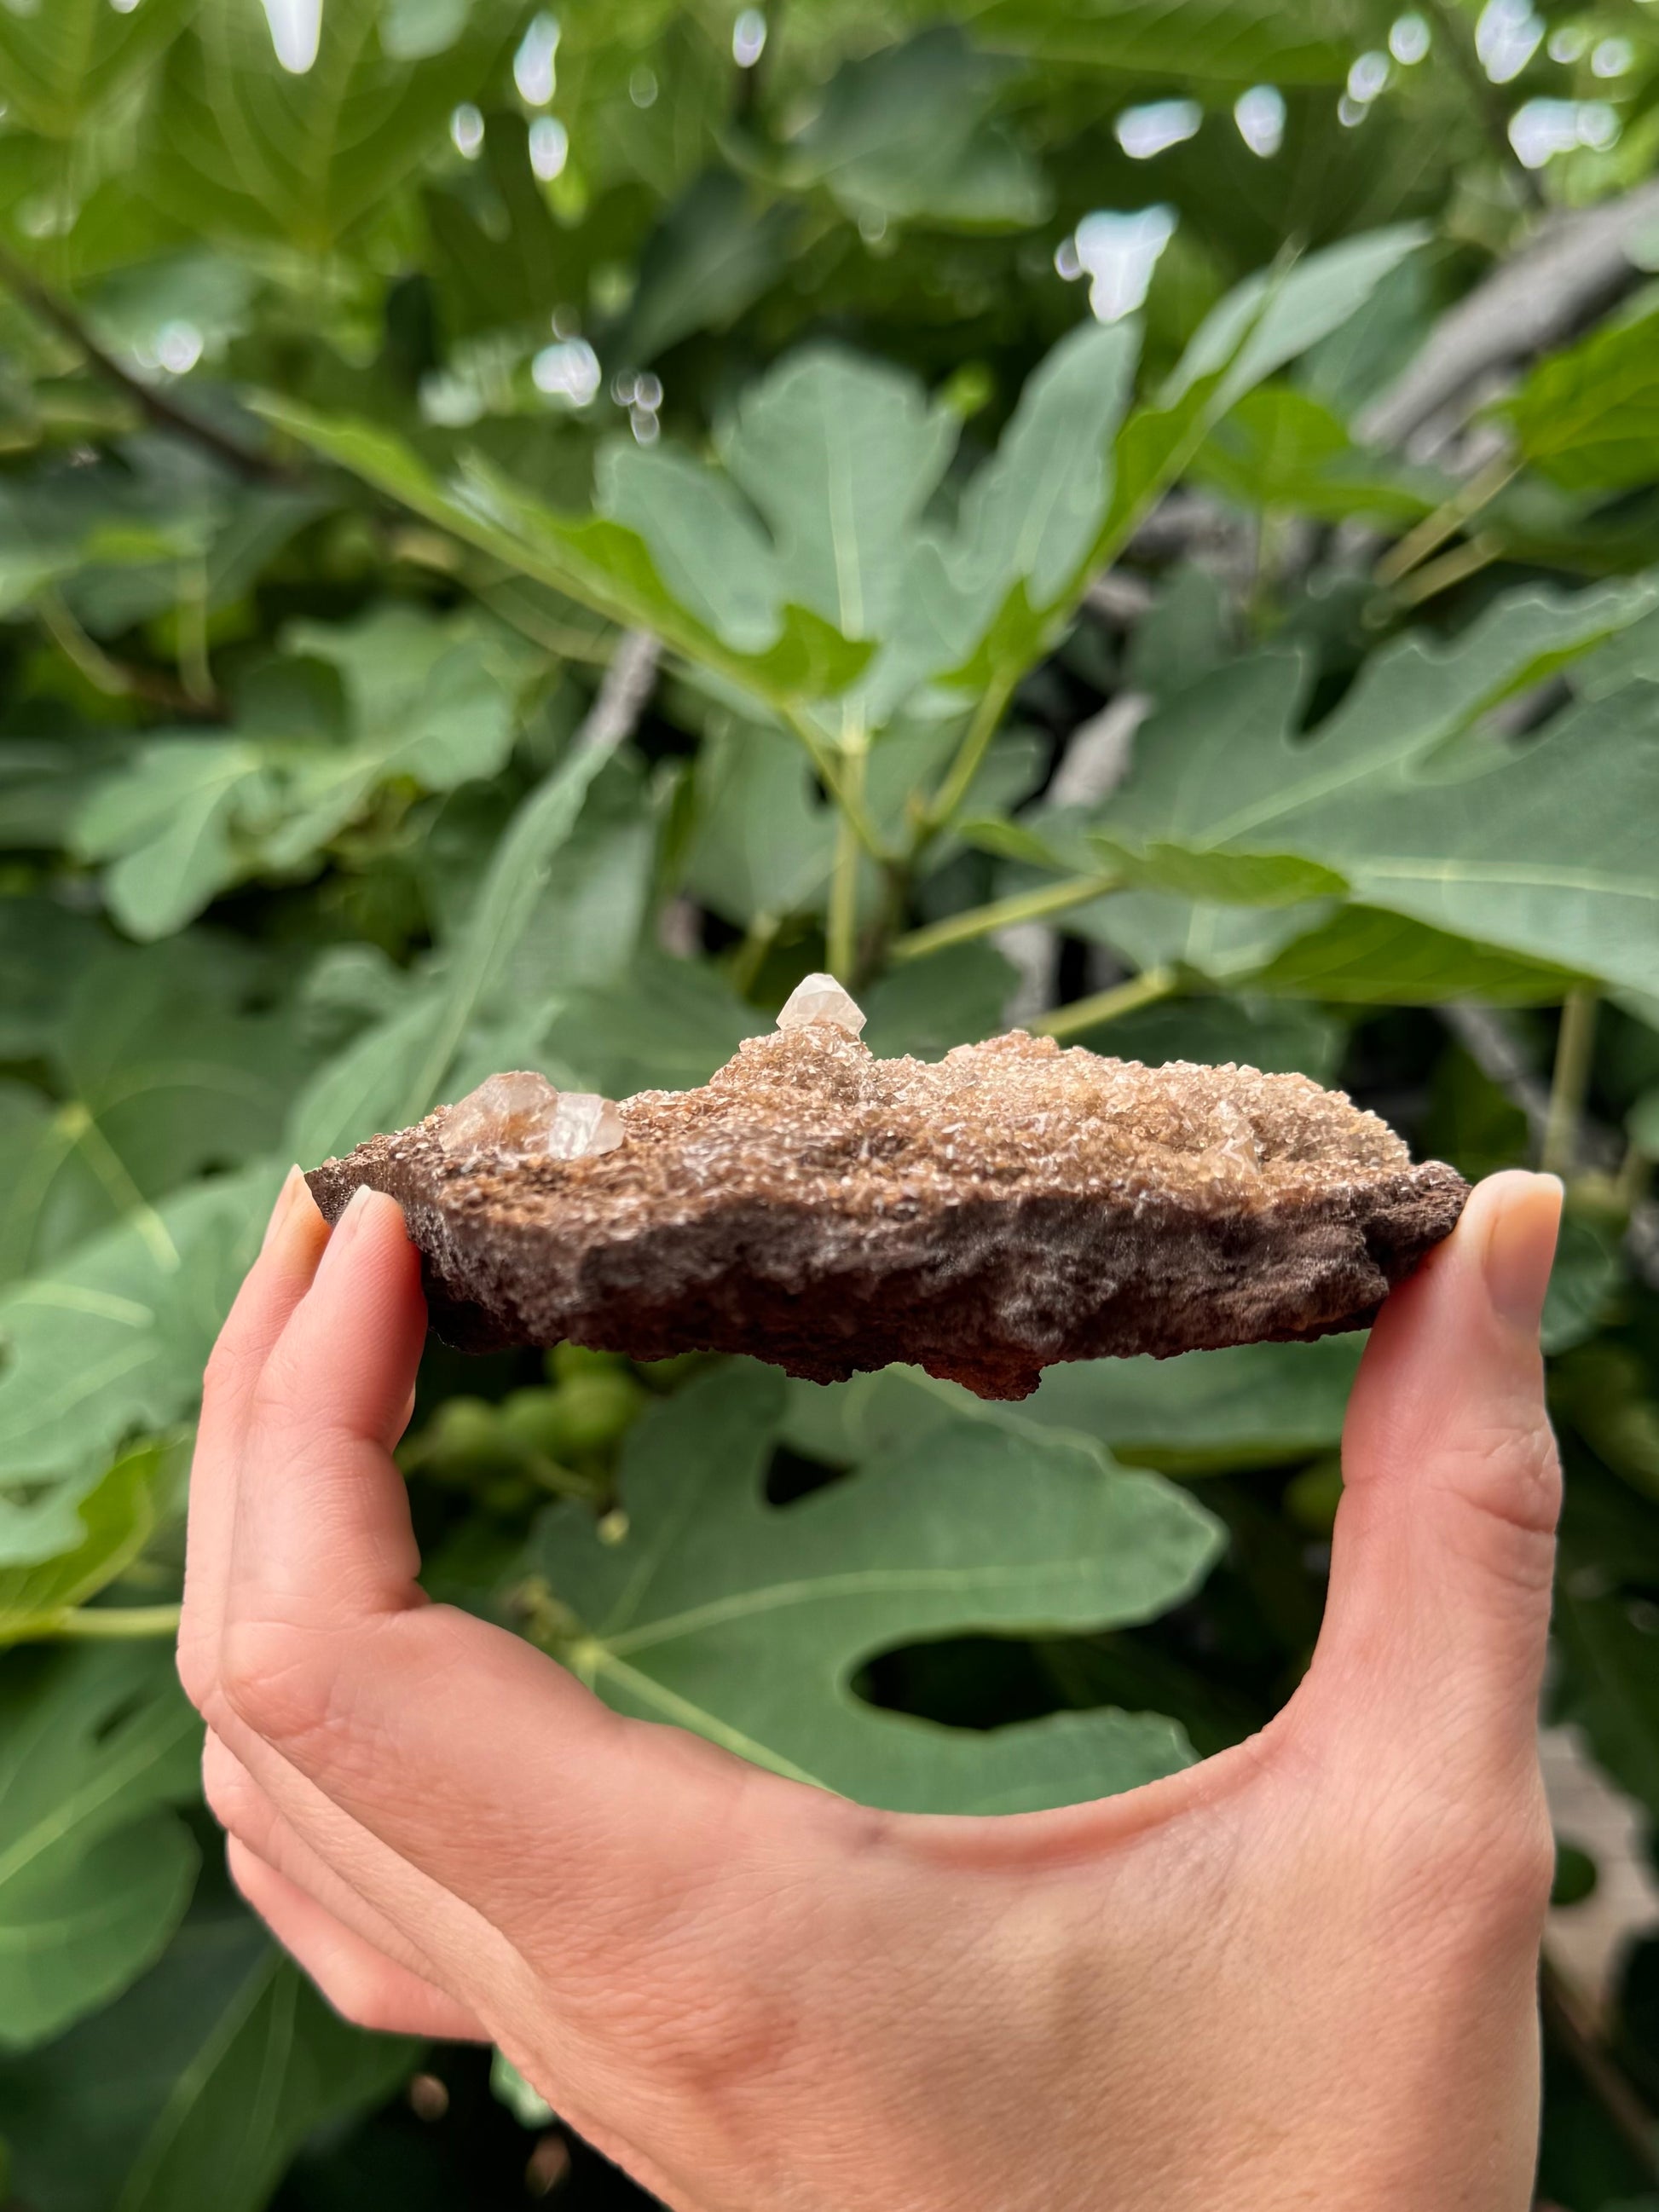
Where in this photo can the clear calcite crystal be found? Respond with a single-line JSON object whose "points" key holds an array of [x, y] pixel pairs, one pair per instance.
{"points": [[519, 1116], [821, 998], [583, 1124]]}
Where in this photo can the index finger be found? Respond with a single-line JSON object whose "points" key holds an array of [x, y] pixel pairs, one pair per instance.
{"points": [[279, 1279]]}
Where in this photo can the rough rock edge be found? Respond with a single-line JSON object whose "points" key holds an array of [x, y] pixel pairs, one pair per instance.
{"points": [[986, 1292]]}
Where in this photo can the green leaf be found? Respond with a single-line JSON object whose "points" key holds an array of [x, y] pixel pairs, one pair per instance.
{"points": [[557, 913], [592, 559], [906, 133], [1252, 334], [117, 1519], [839, 455], [1227, 946], [95, 1743], [1281, 448], [1226, 42], [1032, 513], [1253, 1405], [764, 841], [1280, 1038], [1589, 416], [1538, 849], [748, 1622], [168, 824], [713, 254], [666, 1025], [45, 948], [1233, 879], [161, 1072], [112, 1341], [193, 2091], [517, 876], [242, 147], [1609, 1683], [1582, 1282], [1361, 956], [62, 60], [926, 1006], [189, 815]]}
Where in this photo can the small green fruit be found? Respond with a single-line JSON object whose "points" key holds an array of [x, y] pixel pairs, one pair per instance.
{"points": [[463, 1440], [567, 1361], [585, 1415]]}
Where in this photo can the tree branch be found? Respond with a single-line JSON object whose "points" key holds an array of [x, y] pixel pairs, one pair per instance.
{"points": [[47, 305], [622, 692], [1573, 265]]}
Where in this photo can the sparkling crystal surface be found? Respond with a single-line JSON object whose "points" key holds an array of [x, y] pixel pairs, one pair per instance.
{"points": [[519, 1116], [982, 1216], [582, 1125], [821, 998]]}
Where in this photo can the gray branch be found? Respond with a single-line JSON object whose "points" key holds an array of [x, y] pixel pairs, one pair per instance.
{"points": [[1573, 266], [620, 700], [1492, 1046]]}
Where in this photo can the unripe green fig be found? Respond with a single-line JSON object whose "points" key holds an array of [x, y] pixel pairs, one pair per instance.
{"points": [[565, 1362], [464, 1441]]}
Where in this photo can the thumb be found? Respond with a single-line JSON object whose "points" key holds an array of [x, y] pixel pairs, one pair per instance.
{"points": [[1443, 1551]]}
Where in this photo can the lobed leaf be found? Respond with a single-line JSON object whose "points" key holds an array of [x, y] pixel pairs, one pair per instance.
{"points": [[748, 1622], [95, 1743]]}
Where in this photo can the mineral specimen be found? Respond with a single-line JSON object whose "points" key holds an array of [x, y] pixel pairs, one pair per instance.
{"points": [[1011, 1206], [519, 1116], [821, 998]]}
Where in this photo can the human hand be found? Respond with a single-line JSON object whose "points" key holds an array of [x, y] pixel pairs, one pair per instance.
{"points": [[1301, 1974]]}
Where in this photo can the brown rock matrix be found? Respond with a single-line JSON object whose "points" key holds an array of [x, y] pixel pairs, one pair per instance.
{"points": [[1012, 1205]]}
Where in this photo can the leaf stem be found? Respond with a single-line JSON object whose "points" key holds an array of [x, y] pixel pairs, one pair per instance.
{"points": [[195, 666], [1142, 990], [1448, 518], [114, 1621], [848, 798], [115, 679], [750, 955], [969, 756], [1575, 1049], [843, 922], [1001, 914], [1463, 561]]}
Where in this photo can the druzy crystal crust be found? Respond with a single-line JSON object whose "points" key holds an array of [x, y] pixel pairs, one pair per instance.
{"points": [[519, 1116], [980, 1216], [817, 998]]}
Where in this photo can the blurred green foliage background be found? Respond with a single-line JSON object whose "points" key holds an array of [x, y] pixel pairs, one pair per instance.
{"points": [[523, 532]]}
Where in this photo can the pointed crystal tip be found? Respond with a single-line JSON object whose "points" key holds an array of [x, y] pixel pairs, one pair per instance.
{"points": [[519, 1116], [821, 998]]}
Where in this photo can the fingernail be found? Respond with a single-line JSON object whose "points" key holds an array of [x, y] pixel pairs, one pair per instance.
{"points": [[1521, 1248], [285, 1197], [345, 1228]]}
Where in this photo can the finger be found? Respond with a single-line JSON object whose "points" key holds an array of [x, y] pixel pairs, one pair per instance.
{"points": [[279, 1279], [479, 1762], [361, 1984], [284, 1820], [323, 1531], [1443, 1550]]}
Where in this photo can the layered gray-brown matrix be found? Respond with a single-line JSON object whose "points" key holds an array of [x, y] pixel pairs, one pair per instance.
{"points": [[1011, 1206]]}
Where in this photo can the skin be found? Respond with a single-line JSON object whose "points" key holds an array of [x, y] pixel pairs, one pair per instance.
{"points": [[1299, 1974]]}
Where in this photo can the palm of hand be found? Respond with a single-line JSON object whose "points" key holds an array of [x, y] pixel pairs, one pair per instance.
{"points": [[1301, 1973]]}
